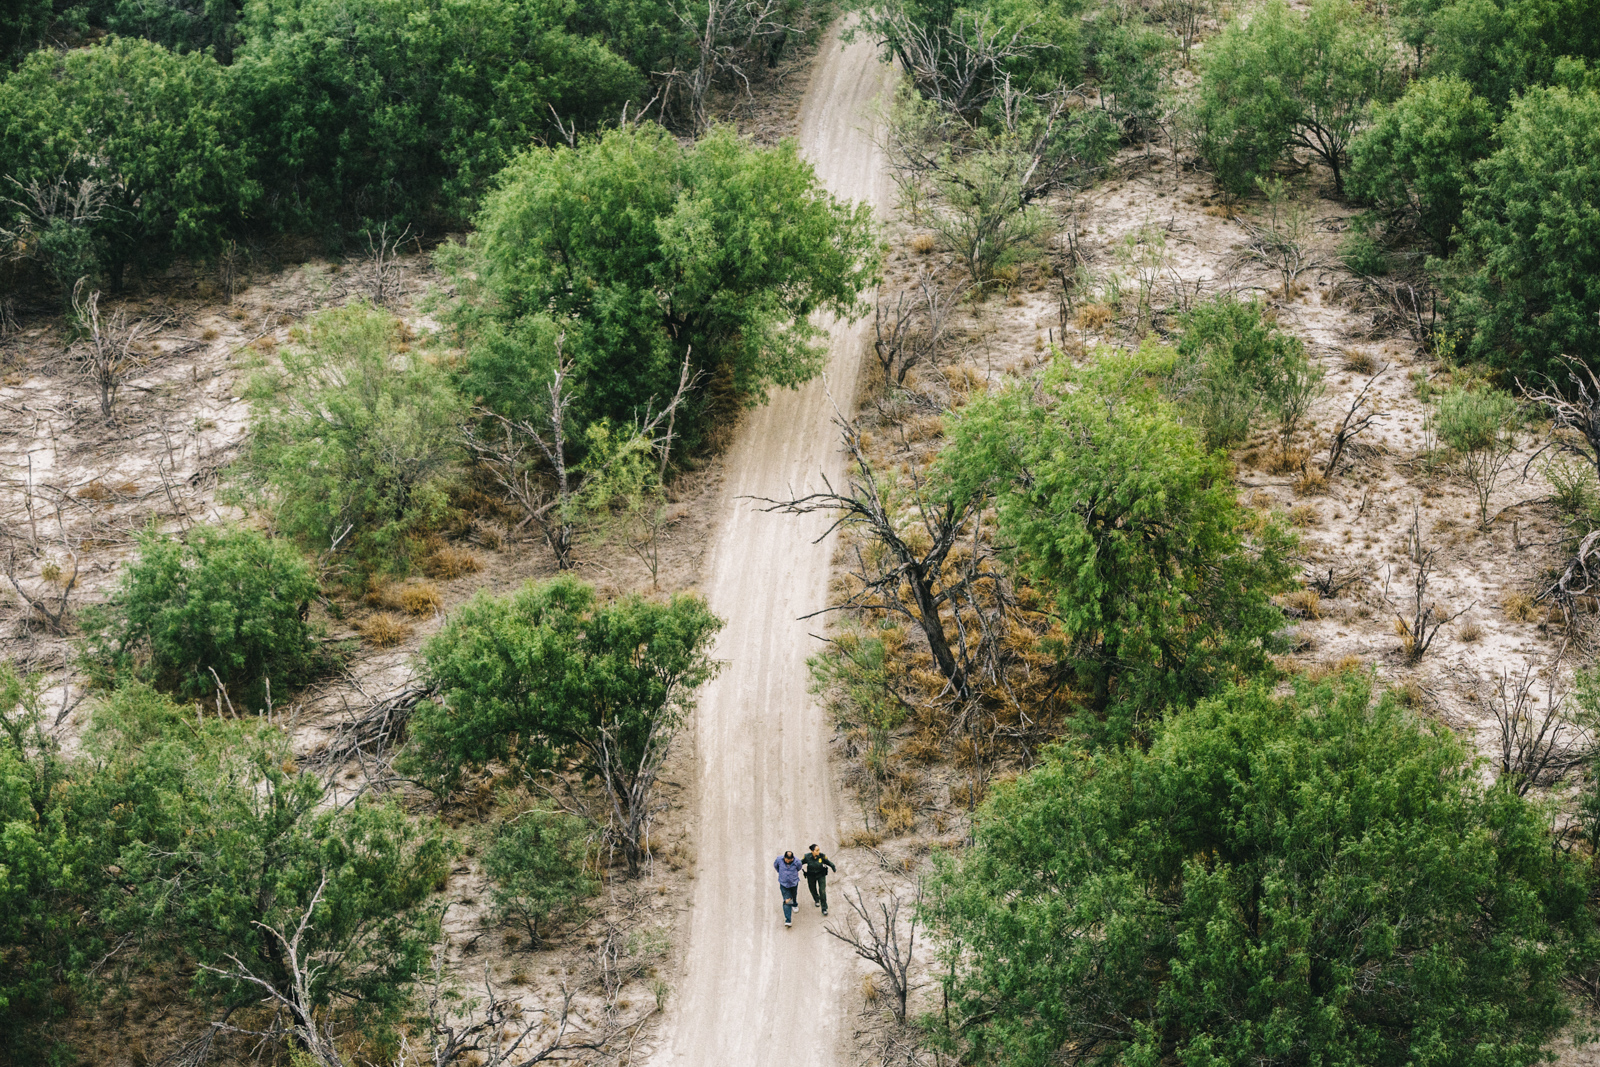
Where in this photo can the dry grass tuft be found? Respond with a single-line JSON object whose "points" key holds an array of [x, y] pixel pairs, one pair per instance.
{"points": [[1469, 631], [869, 990], [1304, 515], [1358, 362], [385, 630], [1311, 483], [1519, 607], [448, 562], [1329, 668], [210, 333], [1304, 603], [95, 490], [898, 817], [862, 839], [924, 747], [923, 243], [420, 600], [1095, 316], [1289, 462]]}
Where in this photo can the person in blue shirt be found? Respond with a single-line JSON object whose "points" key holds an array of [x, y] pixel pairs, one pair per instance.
{"points": [[788, 869]]}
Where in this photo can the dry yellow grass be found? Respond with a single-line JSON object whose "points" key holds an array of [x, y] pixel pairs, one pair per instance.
{"points": [[1519, 607], [863, 839], [1095, 316], [923, 243], [420, 600], [1306, 603], [1304, 515], [385, 630], [449, 562], [898, 817], [1311, 483]]}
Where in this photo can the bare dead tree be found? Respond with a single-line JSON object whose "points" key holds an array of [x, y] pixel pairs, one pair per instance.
{"points": [[107, 353], [874, 506], [1575, 410], [732, 38], [1185, 17], [876, 935], [1358, 418], [553, 508], [49, 600], [1579, 578], [892, 337], [1539, 745], [294, 999], [482, 1030], [957, 66], [383, 264], [1419, 622]]}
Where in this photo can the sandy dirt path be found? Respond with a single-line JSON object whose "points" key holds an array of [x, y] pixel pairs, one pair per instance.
{"points": [[750, 991]]}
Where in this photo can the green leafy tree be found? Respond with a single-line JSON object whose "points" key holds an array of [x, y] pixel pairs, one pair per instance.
{"points": [[1112, 506], [538, 863], [1235, 362], [215, 844], [407, 108], [353, 442], [22, 26], [646, 251], [548, 678], [1318, 879], [1504, 47], [1526, 278], [1280, 80], [226, 604], [1415, 162], [158, 134], [1480, 426], [38, 958]]}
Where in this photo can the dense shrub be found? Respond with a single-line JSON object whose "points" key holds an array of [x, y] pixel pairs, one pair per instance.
{"points": [[548, 675], [1314, 879], [189, 839], [229, 601], [1415, 163], [1234, 364], [1526, 279], [1111, 504], [538, 864], [353, 442], [645, 251], [1503, 47], [386, 108], [1281, 79], [157, 135]]}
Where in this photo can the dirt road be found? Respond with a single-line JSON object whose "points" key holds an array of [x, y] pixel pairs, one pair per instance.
{"points": [[751, 992]]}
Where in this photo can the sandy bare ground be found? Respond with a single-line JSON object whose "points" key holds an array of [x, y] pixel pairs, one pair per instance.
{"points": [[750, 991]]}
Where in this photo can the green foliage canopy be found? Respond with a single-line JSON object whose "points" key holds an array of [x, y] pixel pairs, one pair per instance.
{"points": [[645, 251], [547, 674], [1415, 162], [229, 601], [1281, 80], [407, 108], [537, 861], [1111, 504], [352, 441], [157, 133], [1234, 361], [1318, 879], [1526, 278]]}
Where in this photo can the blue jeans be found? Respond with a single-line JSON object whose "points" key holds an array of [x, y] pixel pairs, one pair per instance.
{"points": [[789, 902]]}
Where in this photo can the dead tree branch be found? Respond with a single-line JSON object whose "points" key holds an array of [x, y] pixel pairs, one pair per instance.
{"points": [[1539, 746], [881, 942], [1357, 419], [109, 351], [1420, 621]]}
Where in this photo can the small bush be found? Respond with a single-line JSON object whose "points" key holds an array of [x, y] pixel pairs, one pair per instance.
{"points": [[1519, 607], [538, 863], [353, 444], [232, 601], [420, 600], [1236, 362], [385, 630], [448, 562]]}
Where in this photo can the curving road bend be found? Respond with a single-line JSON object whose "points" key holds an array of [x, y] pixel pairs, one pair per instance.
{"points": [[752, 993]]}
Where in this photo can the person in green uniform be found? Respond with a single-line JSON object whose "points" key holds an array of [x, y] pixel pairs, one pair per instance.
{"points": [[816, 866]]}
